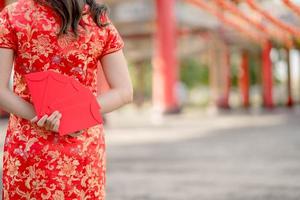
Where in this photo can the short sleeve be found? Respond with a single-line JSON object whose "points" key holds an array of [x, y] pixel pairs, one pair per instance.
{"points": [[7, 35], [114, 41]]}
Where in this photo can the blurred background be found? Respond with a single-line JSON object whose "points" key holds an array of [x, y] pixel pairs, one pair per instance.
{"points": [[216, 105]]}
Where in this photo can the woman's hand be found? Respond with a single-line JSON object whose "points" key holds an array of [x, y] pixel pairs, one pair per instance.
{"points": [[76, 134], [49, 123], [52, 123]]}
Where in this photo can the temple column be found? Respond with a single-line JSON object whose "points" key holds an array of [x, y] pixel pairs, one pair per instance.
{"points": [[267, 76], [244, 79], [165, 66], [290, 101]]}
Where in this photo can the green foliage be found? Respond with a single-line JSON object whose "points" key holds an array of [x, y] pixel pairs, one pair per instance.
{"points": [[254, 69], [234, 69], [141, 82], [148, 79], [193, 73]]}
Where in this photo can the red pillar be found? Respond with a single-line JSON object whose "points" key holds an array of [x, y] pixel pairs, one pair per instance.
{"points": [[290, 101], [165, 67], [213, 72], [244, 79], [267, 75], [223, 101]]}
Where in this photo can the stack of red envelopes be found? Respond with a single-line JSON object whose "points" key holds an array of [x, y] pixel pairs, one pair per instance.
{"points": [[51, 91]]}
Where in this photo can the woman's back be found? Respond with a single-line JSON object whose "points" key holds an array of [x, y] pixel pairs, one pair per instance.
{"points": [[32, 31], [38, 163]]}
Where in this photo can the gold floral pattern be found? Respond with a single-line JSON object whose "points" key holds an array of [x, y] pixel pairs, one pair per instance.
{"points": [[42, 45], [40, 164]]}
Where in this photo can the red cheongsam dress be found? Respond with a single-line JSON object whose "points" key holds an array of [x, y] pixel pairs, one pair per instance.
{"points": [[39, 164]]}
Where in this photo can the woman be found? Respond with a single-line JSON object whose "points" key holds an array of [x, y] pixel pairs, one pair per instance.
{"points": [[69, 37]]}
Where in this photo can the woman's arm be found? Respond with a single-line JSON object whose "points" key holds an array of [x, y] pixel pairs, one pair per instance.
{"points": [[9, 101], [116, 72], [12, 103]]}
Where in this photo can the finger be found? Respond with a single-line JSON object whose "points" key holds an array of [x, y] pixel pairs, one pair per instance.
{"points": [[55, 129], [53, 115], [59, 115], [56, 126], [42, 121], [50, 122], [77, 133], [47, 124], [74, 134], [33, 120], [54, 122], [51, 118], [57, 119]]}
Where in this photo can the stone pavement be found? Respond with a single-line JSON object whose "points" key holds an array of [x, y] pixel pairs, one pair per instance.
{"points": [[199, 156]]}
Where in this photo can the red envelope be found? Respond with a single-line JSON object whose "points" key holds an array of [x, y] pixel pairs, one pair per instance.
{"points": [[79, 107], [80, 103], [58, 87], [37, 83], [45, 87], [80, 114]]}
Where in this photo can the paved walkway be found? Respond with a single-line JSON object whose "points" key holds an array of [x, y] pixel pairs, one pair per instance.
{"points": [[198, 156]]}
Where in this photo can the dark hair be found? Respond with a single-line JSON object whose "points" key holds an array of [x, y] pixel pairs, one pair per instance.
{"points": [[70, 12]]}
